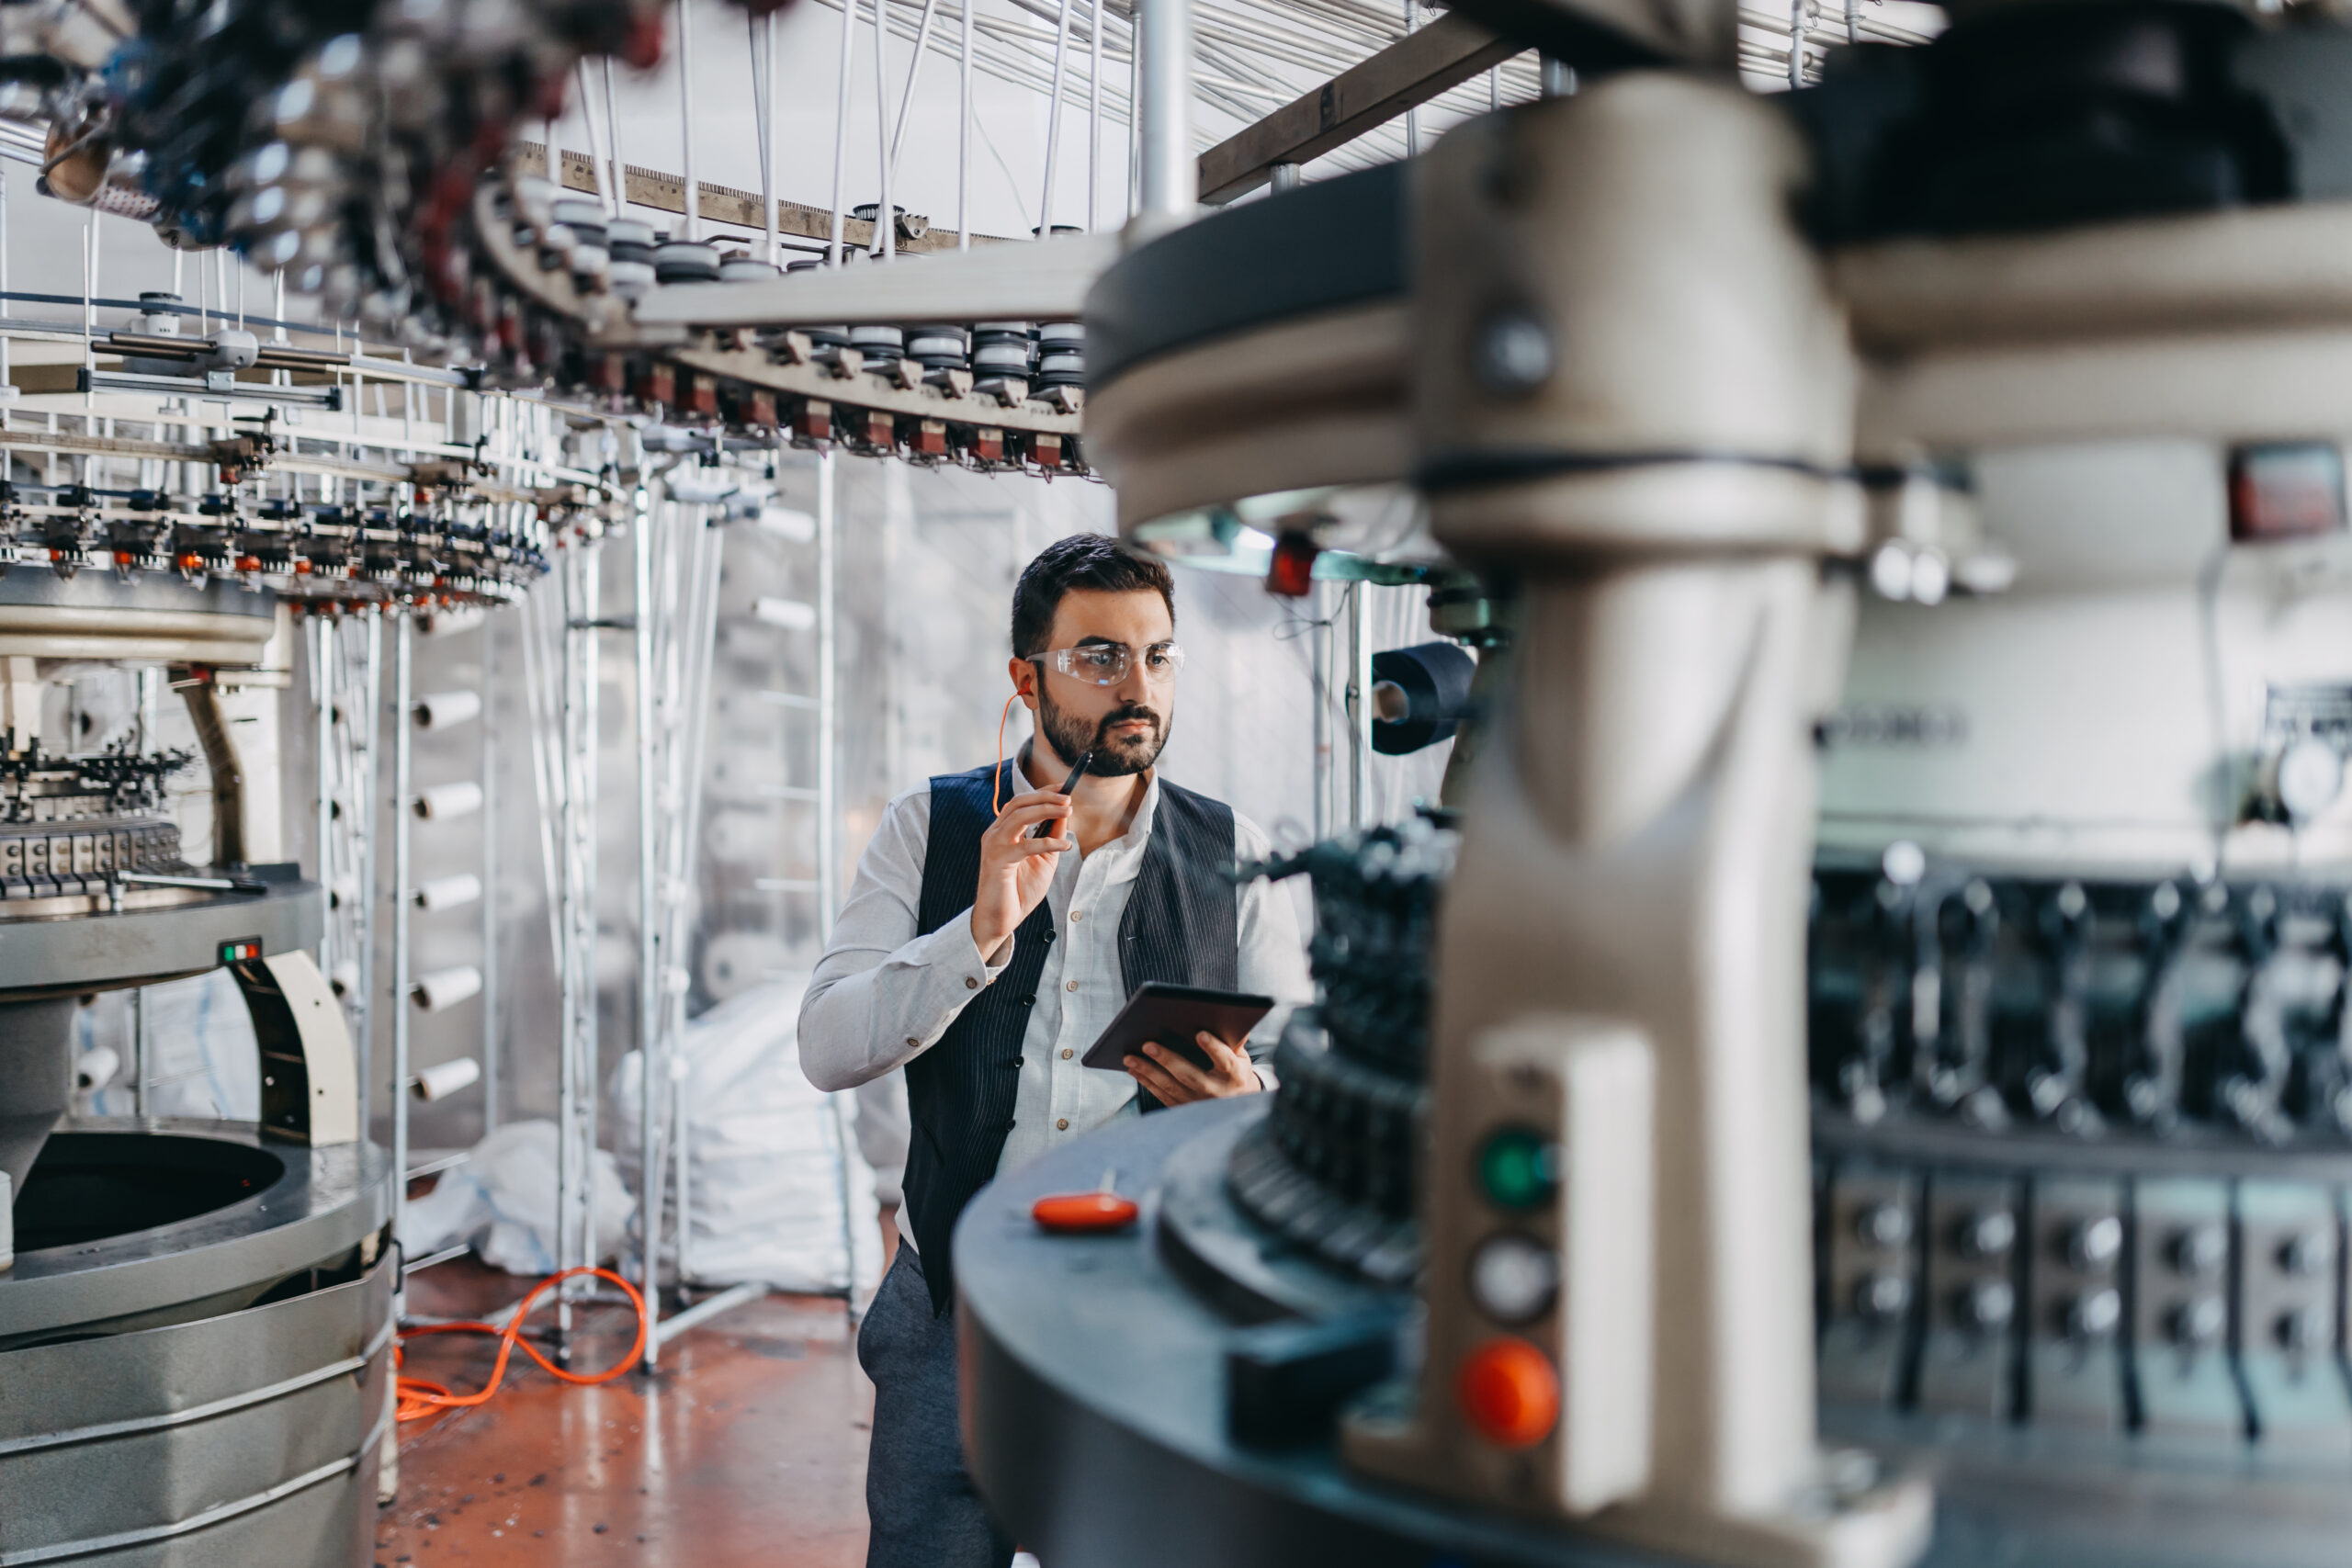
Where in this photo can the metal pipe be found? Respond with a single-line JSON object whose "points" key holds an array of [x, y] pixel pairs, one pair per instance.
{"points": [[963, 142], [1094, 116], [1359, 704], [1282, 176], [493, 1074], [1797, 26], [1319, 657], [142, 1061], [323, 702], [686, 115], [886, 217], [648, 951], [701, 1312], [914, 70], [599, 168], [833, 251], [1054, 120], [1412, 116], [366, 733], [1853, 21], [828, 736], [1171, 173], [1558, 78], [613, 150], [403, 641], [763, 112]]}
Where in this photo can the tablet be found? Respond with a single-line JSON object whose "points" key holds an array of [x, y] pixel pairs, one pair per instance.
{"points": [[1172, 1015]]}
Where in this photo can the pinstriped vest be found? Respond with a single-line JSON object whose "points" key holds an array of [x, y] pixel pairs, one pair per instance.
{"points": [[1183, 925]]}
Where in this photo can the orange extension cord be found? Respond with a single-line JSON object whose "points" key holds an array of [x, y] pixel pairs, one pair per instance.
{"points": [[419, 1398]]}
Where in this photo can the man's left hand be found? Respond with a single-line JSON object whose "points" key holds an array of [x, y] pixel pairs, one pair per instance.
{"points": [[1174, 1080]]}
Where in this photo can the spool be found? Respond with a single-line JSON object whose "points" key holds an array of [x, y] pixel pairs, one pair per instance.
{"points": [[444, 987], [446, 710], [448, 892], [446, 1078], [443, 802], [96, 1068], [789, 613]]}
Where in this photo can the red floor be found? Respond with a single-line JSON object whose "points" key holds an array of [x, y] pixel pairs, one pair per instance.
{"points": [[749, 1446]]}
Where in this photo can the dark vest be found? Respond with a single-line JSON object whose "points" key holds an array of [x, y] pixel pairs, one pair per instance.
{"points": [[1183, 925]]}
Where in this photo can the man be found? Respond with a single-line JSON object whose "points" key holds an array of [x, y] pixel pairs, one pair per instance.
{"points": [[986, 961]]}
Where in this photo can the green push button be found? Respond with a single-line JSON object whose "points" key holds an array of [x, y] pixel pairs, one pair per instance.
{"points": [[1518, 1167]]}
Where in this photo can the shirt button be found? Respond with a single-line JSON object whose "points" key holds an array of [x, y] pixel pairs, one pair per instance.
{"points": [[1078, 915], [971, 983], [1062, 1124], [1067, 1051], [1028, 1001], [913, 1044], [1070, 986]]}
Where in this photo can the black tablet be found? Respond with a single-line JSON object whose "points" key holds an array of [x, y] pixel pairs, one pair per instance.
{"points": [[1172, 1015]]}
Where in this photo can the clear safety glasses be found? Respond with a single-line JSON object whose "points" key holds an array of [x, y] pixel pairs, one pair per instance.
{"points": [[1107, 663]]}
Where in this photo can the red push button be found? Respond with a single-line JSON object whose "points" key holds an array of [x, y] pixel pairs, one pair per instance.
{"points": [[1083, 1214], [1509, 1393]]}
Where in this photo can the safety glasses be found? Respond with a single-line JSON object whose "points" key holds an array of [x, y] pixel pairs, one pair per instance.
{"points": [[1108, 664]]}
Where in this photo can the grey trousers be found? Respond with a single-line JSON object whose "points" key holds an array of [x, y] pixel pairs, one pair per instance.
{"points": [[919, 1506]]}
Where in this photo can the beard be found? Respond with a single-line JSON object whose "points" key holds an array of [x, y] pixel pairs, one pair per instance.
{"points": [[1114, 756]]}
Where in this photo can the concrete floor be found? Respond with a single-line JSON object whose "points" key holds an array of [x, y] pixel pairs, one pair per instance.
{"points": [[749, 1446]]}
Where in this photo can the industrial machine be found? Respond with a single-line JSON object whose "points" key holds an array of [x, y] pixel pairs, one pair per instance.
{"points": [[1961, 434], [1857, 1074]]}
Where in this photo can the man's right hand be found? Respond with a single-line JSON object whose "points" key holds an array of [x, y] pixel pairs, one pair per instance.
{"points": [[1016, 870]]}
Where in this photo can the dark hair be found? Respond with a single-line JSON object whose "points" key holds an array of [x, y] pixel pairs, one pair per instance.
{"points": [[1090, 562]]}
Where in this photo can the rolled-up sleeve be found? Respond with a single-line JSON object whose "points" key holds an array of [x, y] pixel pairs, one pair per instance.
{"points": [[882, 994], [1272, 960]]}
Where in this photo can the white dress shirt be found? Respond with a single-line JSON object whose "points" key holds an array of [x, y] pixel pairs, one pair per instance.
{"points": [[883, 996]]}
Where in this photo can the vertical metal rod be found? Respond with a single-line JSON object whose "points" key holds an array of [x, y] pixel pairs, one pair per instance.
{"points": [[1798, 22], [1359, 704], [886, 217], [704, 547], [1282, 176], [764, 103], [1135, 110], [493, 1045], [89, 311], [1318, 606], [828, 698], [619, 197], [1853, 27], [1557, 76], [834, 250], [1054, 121], [599, 171], [1494, 88], [322, 704], [367, 731], [403, 696], [914, 71], [5, 382], [652, 1084], [686, 115], [567, 1155], [962, 139], [1412, 116], [142, 1059], [1093, 115], [1171, 171]]}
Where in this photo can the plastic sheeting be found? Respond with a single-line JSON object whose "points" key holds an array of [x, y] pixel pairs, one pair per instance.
{"points": [[203, 1060], [502, 1201], [778, 1190]]}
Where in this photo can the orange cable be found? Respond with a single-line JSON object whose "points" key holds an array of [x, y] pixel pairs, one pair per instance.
{"points": [[419, 1397]]}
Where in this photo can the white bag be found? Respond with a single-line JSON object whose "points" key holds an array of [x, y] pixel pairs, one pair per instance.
{"points": [[777, 1190], [502, 1199]]}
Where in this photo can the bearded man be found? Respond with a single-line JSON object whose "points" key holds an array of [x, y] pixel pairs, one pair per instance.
{"points": [[985, 961]]}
